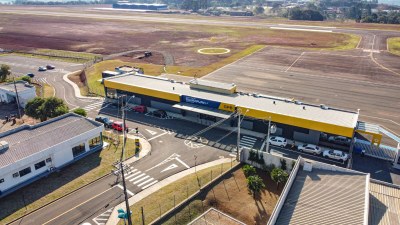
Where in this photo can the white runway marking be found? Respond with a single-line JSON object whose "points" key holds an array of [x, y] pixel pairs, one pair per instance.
{"points": [[294, 62], [300, 29]]}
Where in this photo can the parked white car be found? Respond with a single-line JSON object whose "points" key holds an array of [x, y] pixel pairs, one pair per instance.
{"points": [[336, 154], [277, 141], [313, 149]]}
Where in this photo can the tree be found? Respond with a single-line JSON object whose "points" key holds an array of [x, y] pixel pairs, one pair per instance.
{"points": [[32, 107], [283, 164], [259, 10], [44, 108], [279, 176], [26, 78], [80, 111], [255, 184], [249, 170], [4, 72], [53, 107]]}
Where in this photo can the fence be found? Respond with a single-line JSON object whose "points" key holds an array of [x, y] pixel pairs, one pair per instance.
{"points": [[171, 197]]}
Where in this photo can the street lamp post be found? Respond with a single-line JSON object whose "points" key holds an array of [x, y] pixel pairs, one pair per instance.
{"points": [[271, 129], [128, 216]]}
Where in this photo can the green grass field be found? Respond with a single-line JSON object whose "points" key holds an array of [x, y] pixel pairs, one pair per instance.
{"points": [[394, 45]]}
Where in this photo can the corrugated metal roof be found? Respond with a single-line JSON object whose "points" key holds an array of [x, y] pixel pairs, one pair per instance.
{"points": [[33, 139], [268, 104], [325, 197], [384, 204]]}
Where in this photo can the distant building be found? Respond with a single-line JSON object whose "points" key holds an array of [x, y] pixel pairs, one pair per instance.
{"points": [[240, 13], [25, 91], [28, 153], [139, 6]]}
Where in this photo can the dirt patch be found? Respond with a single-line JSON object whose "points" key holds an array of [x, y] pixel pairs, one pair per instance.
{"points": [[27, 32], [137, 57], [232, 197]]}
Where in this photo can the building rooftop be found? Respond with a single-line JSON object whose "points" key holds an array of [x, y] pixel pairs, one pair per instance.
{"points": [[275, 105], [325, 197], [384, 203], [21, 86], [28, 140]]}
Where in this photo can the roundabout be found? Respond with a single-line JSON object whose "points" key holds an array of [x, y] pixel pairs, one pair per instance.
{"points": [[213, 51]]}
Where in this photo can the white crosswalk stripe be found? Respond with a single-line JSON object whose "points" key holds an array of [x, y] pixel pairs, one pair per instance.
{"points": [[139, 178], [247, 142], [103, 218], [95, 105]]}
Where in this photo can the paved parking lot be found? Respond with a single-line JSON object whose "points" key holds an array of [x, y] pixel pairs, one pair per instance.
{"points": [[348, 80]]}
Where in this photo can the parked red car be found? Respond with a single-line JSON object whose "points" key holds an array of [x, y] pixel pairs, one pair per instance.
{"points": [[140, 109], [117, 125]]}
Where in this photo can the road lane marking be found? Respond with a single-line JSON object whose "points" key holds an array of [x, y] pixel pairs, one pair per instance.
{"points": [[157, 136], [179, 160], [127, 191], [90, 199], [173, 166]]}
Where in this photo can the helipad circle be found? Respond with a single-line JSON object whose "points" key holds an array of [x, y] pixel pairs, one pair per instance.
{"points": [[213, 51]]}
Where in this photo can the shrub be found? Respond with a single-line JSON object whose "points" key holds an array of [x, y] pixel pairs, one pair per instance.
{"points": [[27, 79], [248, 170], [80, 111], [279, 176]]}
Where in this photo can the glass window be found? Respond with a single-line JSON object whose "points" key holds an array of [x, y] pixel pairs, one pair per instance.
{"points": [[15, 175], [77, 150], [94, 142], [40, 165], [24, 171], [1, 180]]}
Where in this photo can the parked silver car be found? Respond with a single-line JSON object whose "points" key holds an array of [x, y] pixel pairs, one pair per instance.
{"points": [[309, 148]]}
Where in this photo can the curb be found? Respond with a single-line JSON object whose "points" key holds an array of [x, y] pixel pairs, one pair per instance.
{"points": [[77, 91], [72, 192], [145, 193]]}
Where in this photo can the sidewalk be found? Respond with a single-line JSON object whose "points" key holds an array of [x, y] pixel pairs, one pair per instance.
{"points": [[113, 219], [144, 151], [77, 91]]}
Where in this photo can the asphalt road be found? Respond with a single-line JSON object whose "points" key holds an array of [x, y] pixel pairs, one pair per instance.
{"points": [[20, 66]]}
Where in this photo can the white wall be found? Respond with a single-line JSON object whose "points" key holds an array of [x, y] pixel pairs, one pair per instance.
{"points": [[60, 155], [268, 159]]}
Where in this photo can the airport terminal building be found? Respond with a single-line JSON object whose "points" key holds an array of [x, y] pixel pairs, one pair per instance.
{"points": [[207, 102]]}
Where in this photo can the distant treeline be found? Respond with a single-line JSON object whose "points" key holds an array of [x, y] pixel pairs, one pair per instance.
{"points": [[304, 14], [382, 17]]}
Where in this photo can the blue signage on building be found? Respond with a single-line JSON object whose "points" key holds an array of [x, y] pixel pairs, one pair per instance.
{"points": [[200, 101]]}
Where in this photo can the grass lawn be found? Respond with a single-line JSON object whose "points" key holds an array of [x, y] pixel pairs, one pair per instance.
{"points": [[61, 183], [163, 200], [231, 196], [48, 91], [394, 45]]}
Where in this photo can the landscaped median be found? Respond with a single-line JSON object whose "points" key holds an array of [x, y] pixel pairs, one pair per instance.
{"points": [[394, 45], [59, 184]]}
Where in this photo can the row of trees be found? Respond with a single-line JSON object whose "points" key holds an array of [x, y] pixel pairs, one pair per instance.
{"points": [[46, 108], [305, 14], [255, 182], [382, 17]]}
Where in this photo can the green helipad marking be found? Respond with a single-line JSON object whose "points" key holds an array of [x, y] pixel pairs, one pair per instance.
{"points": [[213, 51]]}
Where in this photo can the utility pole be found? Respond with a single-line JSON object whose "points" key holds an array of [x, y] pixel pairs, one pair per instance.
{"points": [[269, 127], [17, 98], [128, 211], [238, 137]]}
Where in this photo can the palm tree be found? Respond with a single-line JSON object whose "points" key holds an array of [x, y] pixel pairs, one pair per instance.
{"points": [[255, 184]]}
